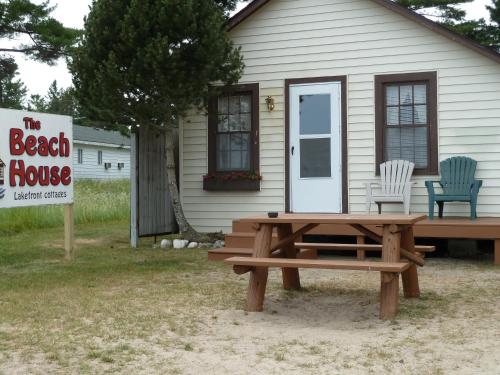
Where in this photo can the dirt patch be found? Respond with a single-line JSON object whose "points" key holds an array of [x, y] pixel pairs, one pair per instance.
{"points": [[194, 323]]}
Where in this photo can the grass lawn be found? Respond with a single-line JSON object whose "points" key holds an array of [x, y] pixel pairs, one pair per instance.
{"points": [[115, 310], [95, 202]]}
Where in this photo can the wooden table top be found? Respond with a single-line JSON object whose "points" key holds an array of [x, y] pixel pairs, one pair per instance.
{"points": [[363, 219]]}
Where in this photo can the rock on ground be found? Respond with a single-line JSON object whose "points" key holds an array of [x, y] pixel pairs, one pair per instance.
{"points": [[166, 244], [180, 244]]}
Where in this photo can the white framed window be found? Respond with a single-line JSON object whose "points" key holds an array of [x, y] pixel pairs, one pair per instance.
{"points": [[80, 156], [99, 157]]}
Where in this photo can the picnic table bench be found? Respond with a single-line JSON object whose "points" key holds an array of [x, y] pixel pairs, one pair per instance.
{"points": [[397, 244]]}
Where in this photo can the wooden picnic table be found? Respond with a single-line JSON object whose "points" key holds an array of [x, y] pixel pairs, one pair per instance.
{"points": [[397, 242]]}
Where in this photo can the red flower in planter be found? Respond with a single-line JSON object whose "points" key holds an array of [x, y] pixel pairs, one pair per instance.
{"points": [[233, 176]]}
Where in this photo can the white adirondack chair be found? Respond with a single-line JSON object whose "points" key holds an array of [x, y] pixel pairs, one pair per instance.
{"points": [[394, 185]]}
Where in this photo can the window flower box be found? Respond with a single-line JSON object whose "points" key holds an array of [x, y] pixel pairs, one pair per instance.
{"points": [[232, 181]]}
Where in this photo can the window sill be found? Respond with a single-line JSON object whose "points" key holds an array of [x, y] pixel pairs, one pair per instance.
{"points": [[231, 185]]}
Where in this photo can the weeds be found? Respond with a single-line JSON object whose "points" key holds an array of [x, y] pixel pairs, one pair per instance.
{"points": [[95, 202]]}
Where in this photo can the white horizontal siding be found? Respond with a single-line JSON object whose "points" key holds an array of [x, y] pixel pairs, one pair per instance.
{"points": [[359, 39], [89, 168]]}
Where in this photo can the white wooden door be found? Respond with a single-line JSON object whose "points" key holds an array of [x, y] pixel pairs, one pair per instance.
{"points": [[315, 148]]}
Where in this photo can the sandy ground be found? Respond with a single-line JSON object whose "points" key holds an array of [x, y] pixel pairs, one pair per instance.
{"points": [[331, 327]]}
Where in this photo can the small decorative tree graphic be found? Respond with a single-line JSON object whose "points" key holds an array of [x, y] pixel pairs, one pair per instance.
{"points": [[2, 173]]}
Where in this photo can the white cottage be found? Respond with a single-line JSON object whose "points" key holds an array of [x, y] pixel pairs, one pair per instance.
{"points": [[100, 154], [378, 82]]}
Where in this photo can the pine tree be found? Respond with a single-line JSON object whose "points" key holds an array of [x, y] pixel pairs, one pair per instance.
{"points": [[62, 101], [446, 11], [152, 63], [37, 103], [49, 39], [494, 10], [12, 90], [450, 15]]}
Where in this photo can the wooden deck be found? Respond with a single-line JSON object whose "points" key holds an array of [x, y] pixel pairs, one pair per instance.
{"points": [[484, 228]]}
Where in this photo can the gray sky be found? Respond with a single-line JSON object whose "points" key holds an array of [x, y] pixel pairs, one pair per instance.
{"points": [[38, 77]]}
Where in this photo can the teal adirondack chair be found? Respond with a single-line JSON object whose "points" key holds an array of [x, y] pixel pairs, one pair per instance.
{"points": [[458, 184]]}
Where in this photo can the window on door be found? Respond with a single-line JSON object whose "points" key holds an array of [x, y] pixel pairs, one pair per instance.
{"points": [[99, 157], [315, 135], [80, 156], [406, 117]]}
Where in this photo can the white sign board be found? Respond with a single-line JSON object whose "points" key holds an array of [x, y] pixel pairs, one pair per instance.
{"points": [[36, 159]]}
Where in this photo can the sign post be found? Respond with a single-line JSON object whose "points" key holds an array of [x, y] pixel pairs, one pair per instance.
{"points": [[36, 164]]}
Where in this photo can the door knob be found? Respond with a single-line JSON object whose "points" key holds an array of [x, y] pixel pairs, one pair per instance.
{"points": [[293, 149]]}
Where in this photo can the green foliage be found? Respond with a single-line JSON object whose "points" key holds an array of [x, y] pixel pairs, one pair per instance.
{"points": [[479, 30], [449, 15], [446, 10], [49, 39], [494, 10], [62, 101], [155, 60], [12, 90], [95, 202], [57, 101]]}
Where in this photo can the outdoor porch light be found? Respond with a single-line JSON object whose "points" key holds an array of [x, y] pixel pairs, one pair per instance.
{"points": [[270, 103]]}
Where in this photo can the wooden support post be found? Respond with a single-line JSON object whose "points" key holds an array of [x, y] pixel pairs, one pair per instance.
{"points": [[293, 236], [389, 288], [69, 231], [291, 277], [497, 252], [361, 254], [410, 276], [258, 277], [367, 232], [134, 190]]}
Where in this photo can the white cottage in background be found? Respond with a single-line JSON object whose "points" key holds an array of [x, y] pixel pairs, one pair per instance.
{"points": [[373, 80], [100, 154]]}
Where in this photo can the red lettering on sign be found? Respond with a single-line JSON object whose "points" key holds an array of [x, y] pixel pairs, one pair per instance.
{"points": [[56, 146], [43, 176], [27, 122], [30, 123], [16, 172], [30, 145], [16, 142], [43, 146], [31, 175], [52, 149], [63, 145], [66, 176], [55, 179], [38, 175]]}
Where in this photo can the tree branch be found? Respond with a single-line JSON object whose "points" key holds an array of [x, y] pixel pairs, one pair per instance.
{"points": [[21, 50]]}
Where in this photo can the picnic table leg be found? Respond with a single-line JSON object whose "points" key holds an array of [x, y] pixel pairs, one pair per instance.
{"points": [[258, 277], [291, 277], [497, 251], [410, 276], [389, 289], [361, 254]]}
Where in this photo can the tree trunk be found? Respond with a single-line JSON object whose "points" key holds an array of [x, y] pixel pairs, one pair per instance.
{"points": [[186, 230]]}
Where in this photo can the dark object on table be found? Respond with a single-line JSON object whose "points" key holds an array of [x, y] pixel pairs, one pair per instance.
{"points": [[272, 215]]}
